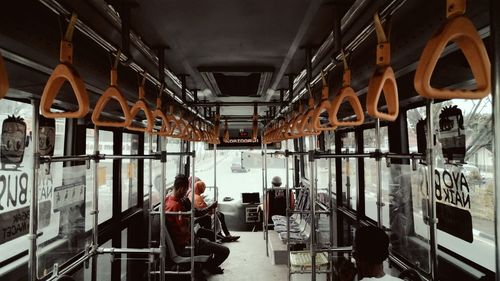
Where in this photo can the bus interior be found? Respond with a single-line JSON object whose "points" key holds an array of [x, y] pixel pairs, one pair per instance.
{"points": [[356, 105]]}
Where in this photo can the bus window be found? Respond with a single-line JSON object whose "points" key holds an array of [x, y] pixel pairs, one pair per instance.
{"points": [[105, 176], [16, 179], [464, 190], [349, 172], [156, 165], [371, 181], [322, 170], [130, 145], [173, 163]]}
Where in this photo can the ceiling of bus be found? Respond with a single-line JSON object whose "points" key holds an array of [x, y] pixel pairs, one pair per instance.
{"points": [[235, 43]]}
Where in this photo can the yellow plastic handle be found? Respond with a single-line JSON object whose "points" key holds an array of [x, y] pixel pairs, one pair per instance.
{"points": [[4, 79], [461, 30], [64, 72], [346, 93]]}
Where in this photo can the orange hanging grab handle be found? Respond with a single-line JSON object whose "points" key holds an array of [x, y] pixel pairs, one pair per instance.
{"points": [[4, 79], [140, 105], [178, 123], [226, 132], [65, 72], [158, 114], [111, 93], [255, 124], [346, 93], [323, 106], [459, 29], [383, 79], [294, 128], [306, 127]]}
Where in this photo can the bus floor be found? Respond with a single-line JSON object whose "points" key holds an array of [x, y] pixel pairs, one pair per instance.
{"points": [[248, 262]]}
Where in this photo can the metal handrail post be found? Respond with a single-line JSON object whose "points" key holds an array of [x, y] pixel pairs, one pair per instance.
{"points": [[330, 206], [163, 248], [312, 170], [430, 186], [216, 193], [33, 229], [150, 204], [95, 212], [263, 186], [264, 198], [193, 158], [379, 175], [287, 212], [495, 92]]}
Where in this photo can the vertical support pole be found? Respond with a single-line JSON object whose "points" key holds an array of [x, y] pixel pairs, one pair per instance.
{"points": [[430, 186], [312, 192], [287, 210], [263, 184], [216, 192], [193, 157], [495, 91], [265, 201], [150, 204], [380, 204], [95, 193], [330, 204], [163, 249], [32, 265]]}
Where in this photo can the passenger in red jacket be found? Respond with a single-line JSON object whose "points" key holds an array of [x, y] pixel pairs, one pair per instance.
{"points": [[179, 229]]}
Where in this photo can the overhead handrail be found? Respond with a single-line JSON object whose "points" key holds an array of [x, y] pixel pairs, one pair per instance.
{"points": [[112, 93], [141, 105], [4, 79], [64, 71], [459, 29], [383, 79], [324, 105], [346, 93]]}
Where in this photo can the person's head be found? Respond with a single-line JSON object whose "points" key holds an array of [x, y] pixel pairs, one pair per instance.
{"points": [[371, 249], [196, 179], [199, 187], [180, 186], [276, 181]]}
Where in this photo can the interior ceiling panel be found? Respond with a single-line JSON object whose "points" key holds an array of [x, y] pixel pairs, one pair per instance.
{"points": [[224, 33]]}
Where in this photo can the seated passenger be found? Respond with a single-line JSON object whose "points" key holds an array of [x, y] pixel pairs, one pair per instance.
{"points": [[179, 229], [199, 203], [276, 200], [371, 249]]}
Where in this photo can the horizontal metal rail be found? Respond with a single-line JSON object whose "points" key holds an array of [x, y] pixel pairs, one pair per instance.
{"points": [[172, 272], [156, 156], [236, 103], [128, 251]]}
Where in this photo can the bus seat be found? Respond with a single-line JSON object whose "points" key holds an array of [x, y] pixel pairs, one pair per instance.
{"points": [[346, 93], [138, 106], [383, 79], [4, 79], [112, 92], [459, 29], [171, 251], [64, 71]]}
